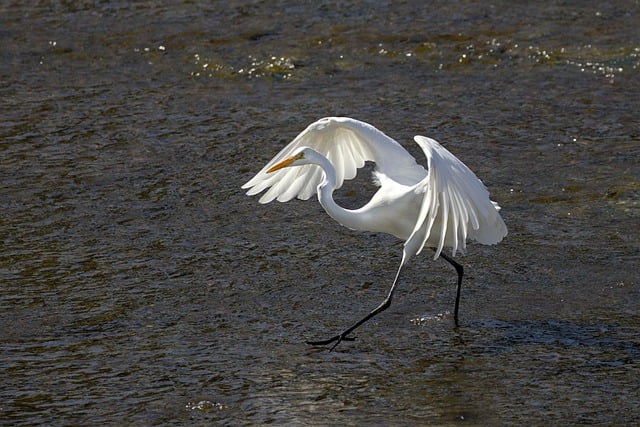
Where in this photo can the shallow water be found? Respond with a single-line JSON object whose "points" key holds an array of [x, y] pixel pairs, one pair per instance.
{"points": [[140, 286]]}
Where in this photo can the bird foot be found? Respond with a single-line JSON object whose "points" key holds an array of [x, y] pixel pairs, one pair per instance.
{"points": [[338, 339]]}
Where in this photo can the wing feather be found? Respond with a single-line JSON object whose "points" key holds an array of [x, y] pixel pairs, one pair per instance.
{"points": [[455, 205], [347, 143]]}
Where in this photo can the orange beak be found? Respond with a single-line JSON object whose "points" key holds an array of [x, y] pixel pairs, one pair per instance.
{"points": [[284, 163]]}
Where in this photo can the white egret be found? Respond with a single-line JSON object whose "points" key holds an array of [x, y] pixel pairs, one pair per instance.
{"points": [[438, 207]]}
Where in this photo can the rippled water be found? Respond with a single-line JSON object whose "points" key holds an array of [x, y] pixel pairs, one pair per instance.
{"points": [[140, 286]]}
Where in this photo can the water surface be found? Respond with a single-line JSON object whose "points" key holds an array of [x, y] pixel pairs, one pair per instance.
{"points": [[140, 286]]}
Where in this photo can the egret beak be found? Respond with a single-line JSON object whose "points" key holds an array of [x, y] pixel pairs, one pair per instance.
{"points": [[284, 163]]}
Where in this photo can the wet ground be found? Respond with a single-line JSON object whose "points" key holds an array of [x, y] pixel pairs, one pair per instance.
{"points": [[140, 286]]}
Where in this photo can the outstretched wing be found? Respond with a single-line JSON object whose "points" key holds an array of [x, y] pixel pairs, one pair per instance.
{"points": [[455, 205], [347, 143]]}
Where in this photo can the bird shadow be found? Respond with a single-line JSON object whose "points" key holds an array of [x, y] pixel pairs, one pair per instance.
{"points": [[566, 337]]}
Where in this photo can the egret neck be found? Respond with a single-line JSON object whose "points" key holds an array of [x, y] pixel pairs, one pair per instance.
{"points": [[353, 219]]}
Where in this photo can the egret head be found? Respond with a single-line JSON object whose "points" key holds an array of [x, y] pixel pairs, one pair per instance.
{"points": [[297, 159]]}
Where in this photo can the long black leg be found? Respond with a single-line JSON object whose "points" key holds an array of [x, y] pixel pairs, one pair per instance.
{"points": [[460, 271], [382, 307]]}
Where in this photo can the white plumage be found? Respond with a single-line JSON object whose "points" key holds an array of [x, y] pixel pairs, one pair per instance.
{"points": [[439, 207]]}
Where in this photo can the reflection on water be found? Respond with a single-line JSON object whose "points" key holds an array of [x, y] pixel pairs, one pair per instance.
{"points": [[139, 283]]}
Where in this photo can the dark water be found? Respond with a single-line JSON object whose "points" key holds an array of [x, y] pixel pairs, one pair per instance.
{"points": [[139, 286]]}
